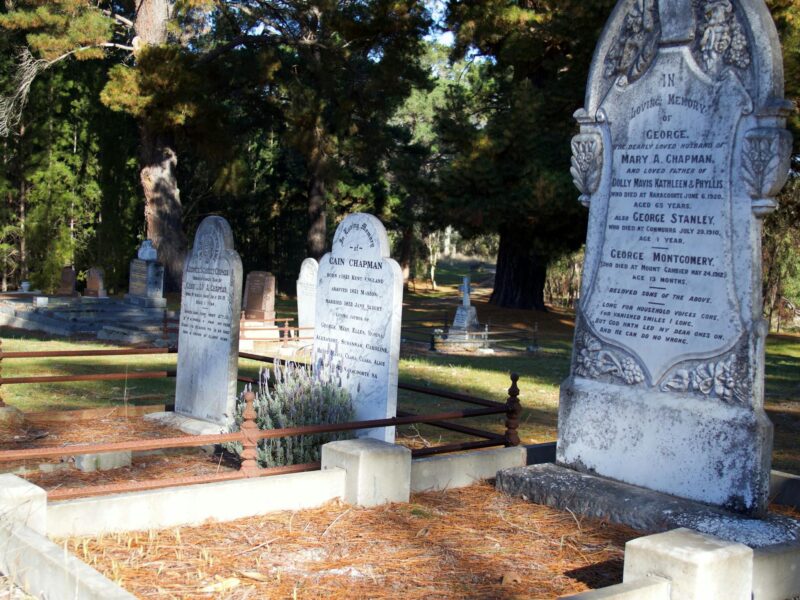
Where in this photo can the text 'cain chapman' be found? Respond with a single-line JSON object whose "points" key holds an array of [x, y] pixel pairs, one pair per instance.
{"points": [[357, 262]]}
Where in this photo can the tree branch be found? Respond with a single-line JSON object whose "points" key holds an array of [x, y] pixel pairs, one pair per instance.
{"points": [[28, 68]]}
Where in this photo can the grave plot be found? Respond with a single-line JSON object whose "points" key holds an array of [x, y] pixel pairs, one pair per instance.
{"points": [[432, 547], [63, 429]]}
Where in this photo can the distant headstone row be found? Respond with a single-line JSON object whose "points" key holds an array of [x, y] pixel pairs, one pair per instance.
{"points": [[358, 292]]}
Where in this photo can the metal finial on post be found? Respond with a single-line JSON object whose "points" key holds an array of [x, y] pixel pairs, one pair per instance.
{"points": [[513, 412], [250, 442]]}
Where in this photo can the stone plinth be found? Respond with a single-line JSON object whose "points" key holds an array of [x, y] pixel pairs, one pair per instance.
{"points": [[640, 508], [696, 565], [377, 472], [146, 283]]}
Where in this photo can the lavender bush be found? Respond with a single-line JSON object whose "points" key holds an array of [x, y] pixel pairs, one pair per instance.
{"points": [[299, 396]]}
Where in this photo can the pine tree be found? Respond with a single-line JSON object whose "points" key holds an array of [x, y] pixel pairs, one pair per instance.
{"points": [[507, 135]]}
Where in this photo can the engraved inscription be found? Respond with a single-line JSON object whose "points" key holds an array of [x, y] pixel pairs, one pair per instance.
{"points": [[663, 286]]}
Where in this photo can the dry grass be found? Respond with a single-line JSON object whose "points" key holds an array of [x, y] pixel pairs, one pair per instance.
{"points": [[469, 543]]}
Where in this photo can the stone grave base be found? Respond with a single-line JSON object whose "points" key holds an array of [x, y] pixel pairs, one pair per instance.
{"points": [[145, 301], [640, 508], [185, 424], [683, 444]]}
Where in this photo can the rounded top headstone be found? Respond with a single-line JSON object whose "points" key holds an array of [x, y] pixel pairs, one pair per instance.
{"points": [[362, 234], [147, 251]]}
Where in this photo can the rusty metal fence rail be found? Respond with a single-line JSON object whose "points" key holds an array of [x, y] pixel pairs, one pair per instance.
{"points": [[250, 435]]}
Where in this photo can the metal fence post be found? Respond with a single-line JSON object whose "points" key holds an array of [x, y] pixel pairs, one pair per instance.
{"points": [[249, 463], [513, 411]]}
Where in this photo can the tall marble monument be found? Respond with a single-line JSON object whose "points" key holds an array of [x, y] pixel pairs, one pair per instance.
{"points": [[358, 313], [208, 337], [682, 148], [466, 314]]}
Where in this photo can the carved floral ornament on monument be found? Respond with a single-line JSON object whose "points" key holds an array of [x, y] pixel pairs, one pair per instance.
{"points": [[682, 149]]}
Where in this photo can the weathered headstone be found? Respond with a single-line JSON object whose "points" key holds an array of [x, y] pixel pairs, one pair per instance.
{"points": [[358, 312], [146, 279], [259, 296], [147, 251], [95, 283], [66, 286], [681, 151], [208, 337], [307, 295], [466, 315]]}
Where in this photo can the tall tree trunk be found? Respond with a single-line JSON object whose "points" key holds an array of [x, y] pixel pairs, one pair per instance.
{"points": [[317, 225], [520, 275], [406, 245], [163, 211], [162, 203], [23, 208], [316, 240]]}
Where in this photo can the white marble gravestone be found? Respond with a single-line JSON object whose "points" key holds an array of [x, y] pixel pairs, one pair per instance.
{"points": [[358, 312], [208, 337], [307, 295], [466, 314], [681, 151]]}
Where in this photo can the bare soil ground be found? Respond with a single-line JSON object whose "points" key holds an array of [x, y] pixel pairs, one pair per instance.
{"points": [[468, 543]]}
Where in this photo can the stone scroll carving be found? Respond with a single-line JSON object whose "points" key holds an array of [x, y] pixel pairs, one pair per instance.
{"points": [[587, 164], [765, 165]]}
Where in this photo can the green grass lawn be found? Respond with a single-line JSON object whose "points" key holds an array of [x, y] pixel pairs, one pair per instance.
{"points": [[485, 376]]}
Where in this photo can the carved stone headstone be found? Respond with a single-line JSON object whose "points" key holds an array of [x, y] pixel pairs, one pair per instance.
{"points": [[208, 337], [466, 314], [681, 151], [95, 283], [66, 286], [359, 308], [146, 279], [307, 295], [259, 296]]}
